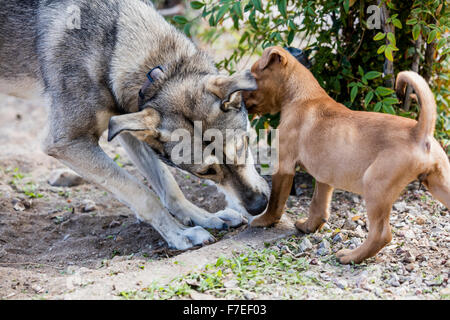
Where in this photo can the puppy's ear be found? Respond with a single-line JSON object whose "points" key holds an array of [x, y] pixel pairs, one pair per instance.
{"points": [[271, 55], [145, 120], [228, 88]]}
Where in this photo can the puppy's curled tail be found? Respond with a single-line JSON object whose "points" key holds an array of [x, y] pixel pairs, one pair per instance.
{"points": [[427, 118]]}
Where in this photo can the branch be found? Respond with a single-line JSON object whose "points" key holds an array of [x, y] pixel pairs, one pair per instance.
{"points": [[388, 68], [179, 9]]}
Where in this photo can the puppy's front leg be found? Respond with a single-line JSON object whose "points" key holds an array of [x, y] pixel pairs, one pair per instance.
{"points": [[318, 211], [281, 187]]}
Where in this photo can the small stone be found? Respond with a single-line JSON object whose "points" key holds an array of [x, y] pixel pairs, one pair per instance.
{"points": [[409, 267], [249, 296], [324, 248], [231, 284], [400, 206], [393, 280], [420, 221], [114, 224], [252, 283], [19, 206], [445, 292], [359, 232], [355, 241], [350, 225], [338, 238], [88, 206], [305, 245], [409, 257], [272, 258], [201, 296], [64, 178], [342, 284], [2, 252], [37, 289], [314, 261]]}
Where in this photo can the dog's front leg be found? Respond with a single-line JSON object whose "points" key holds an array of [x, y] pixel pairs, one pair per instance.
{"points": [[319, 209], [85, 156], [164, 184], [281, 187]]}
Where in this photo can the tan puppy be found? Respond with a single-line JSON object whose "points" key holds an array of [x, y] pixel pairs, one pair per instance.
{"points": [[368, 153]]}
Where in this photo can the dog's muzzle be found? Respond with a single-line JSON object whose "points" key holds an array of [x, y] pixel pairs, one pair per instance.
{"points": [[256, 204]]}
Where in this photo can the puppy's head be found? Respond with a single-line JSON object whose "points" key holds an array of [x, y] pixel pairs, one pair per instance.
{"points": [[271, 72], [198, 123]]}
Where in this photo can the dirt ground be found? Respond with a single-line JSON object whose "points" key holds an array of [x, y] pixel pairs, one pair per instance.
{"points": [[50, 248]]}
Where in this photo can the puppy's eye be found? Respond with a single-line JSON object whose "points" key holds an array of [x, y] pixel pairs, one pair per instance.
{"points": [[210, 172]]}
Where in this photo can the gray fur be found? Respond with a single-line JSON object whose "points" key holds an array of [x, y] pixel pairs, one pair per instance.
{"points": [[93, 73]]}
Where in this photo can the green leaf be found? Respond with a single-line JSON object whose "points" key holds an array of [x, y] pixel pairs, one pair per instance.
{"points": [[353, 93], [381, 49], [388, 53], [379, 36], [197, 5], [361, 71], [180, 19], [237, 8], [368, 98], [377, 107], [222, 12], [290, 37], [346, 6], [388, 108], [416, 31], [397, 23], [390, 100], [282, 7], [432, 36], [372, 75], [441, 43], [383, 91], [411, 22], [187, 29], [258, 5], [391, 38]]}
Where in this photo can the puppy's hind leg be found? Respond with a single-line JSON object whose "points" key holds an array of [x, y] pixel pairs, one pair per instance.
{"points": [[438, 181], [319, 209]]}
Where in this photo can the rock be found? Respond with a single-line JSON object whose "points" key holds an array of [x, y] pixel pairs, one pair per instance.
{"points": [[393, 280], [37, 288], [409, 267], [250, 296], [5, 191], [251, 283], [350, 225], [305, 245], [359, 232], [338, 238], [342, 284], [18, 205], [324, 248], [64, 178], [231, 284], [115, 224], [355, 241], [409, 257], [400, 206], [2, 252], [201, 296], [88, 206], [420, 221], [445, 292]]}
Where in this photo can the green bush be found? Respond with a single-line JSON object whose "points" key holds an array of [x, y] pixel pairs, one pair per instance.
{"points": [[354, 62]]}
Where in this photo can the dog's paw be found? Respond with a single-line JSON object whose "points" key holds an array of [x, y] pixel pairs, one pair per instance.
{"points": [[345, 256], [302, 225], [263, 220], [198, 236], [231, 217]]}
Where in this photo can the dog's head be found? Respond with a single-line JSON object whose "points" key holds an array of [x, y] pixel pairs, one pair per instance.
{"points": [[198, 122], [271, 72]]}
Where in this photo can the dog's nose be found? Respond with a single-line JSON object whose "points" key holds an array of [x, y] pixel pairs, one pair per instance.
{"points": [[257, 204]]}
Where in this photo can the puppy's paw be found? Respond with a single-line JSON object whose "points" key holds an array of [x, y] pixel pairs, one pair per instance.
{"points": [[263, 220], [302, 225], [231, 217], [345, 256]]}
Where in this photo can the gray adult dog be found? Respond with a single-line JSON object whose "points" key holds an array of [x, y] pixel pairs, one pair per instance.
{"points": [[91, 74]]}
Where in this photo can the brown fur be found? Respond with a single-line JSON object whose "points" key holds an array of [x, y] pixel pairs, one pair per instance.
{"points": [[372, 154]]}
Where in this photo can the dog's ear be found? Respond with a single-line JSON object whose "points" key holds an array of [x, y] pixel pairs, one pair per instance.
{"points": [[145, 120], [228, 88], [271, 55]]}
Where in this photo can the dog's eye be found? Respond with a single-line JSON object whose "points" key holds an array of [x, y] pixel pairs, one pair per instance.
{"points": [[210, 172]]}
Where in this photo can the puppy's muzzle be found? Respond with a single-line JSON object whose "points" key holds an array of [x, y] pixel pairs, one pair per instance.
{"points": [[256, 204]]}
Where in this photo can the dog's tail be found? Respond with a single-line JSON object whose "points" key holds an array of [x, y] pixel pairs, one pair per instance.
{"points": [[427, 117]]}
